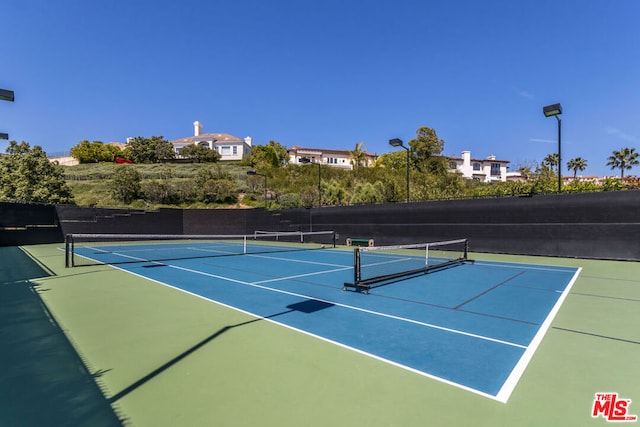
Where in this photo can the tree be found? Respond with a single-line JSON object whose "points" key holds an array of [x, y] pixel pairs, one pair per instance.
{"points": [[125, 185], [551, 160], [149, 150], [198, 153], [425, 145], [358, 156], [272, 155], [626, 158], [26, 174], [333, 193], [94, 152], [368, 193], [577, 164], [213, 187], [395, 160], [526, 172]]}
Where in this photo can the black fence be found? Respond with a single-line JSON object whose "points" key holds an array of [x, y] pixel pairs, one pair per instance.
{"points": [[27, 224], [587, 225]]}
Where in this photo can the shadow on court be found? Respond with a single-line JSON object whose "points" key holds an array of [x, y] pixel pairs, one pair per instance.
{"points": [[42, 379], [307, 307]]}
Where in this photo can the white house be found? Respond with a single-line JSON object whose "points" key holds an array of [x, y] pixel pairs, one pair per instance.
{"points": [[228, 146], [486, 170], [334, 158]]}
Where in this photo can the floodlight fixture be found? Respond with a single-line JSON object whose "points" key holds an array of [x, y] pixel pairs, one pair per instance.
{"points": [[6, 95], [397, 142], [4, 136], [554, 111]]}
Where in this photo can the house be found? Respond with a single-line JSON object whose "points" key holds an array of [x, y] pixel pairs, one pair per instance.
{"points": [[228, 146], [486, 170], [335, 158], [567, 179]]}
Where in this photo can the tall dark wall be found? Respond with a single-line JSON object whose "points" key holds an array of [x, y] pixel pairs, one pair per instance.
{"points": [[591, 225], [75, 219], [28, 224]]}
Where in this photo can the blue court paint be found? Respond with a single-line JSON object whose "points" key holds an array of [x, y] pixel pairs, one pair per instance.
{"points": [[469, 326]]}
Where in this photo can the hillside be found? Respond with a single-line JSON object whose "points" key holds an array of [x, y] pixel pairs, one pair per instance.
{"points": [[91, 182]]}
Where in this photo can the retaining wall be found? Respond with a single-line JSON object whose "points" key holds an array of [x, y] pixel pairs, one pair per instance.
{"points": [[589, 225]]}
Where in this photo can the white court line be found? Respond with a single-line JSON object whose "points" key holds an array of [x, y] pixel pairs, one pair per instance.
{"points": [[510, 384], [376, 313], [554, 268], [302, 331], [298, 261], [279, 279]]}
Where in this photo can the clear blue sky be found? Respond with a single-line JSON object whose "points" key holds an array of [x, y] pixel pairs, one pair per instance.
{"points": [[327, 73]]}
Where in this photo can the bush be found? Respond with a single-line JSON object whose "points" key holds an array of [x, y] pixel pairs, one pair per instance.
{"points": [[125, 184]]}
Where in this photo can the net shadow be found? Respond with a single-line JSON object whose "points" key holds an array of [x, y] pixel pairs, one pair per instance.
{"points": [[306, 307]]}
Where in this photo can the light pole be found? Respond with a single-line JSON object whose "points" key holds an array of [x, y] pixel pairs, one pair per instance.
{"points": [[307, 160], [556, 110], [397, 142], [265, 184], [6, 95]]}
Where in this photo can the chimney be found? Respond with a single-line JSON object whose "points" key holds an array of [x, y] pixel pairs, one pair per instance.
{"points": [[248, 140], [197, 128], [466, 159]]}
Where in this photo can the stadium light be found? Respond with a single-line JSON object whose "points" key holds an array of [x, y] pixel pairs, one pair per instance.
{"points": [[554, 111], [265, 184], [307, 160], [6, 95], [397, 142]]}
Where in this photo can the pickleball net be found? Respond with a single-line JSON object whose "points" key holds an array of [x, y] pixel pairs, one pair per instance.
{"points": [[95, 249], [378, 264]]}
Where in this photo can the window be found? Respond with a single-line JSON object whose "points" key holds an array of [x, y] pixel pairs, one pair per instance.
{"points": [[495, 169], [452, 165], [225, 150], [235, 150], [332, 160], [476, 166]]}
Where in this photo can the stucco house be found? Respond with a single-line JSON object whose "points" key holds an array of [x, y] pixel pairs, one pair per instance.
{"points": [[335, 158], [487, 170], [228, 146]]}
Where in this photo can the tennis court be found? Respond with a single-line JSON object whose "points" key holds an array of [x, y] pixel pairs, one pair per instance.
{"points": [[445, 324], [205, 339]]}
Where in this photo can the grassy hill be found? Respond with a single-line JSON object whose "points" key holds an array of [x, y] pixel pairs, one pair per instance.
{"points": [[91, 182]]}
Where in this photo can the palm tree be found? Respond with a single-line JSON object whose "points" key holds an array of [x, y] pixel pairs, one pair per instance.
{"points": [[577, 164], [526, 172], [358, 155], [626, 158], [551, 160]]}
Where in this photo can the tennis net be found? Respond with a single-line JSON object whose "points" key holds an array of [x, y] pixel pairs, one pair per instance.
{"points": [[94, 249], [373, 265]]}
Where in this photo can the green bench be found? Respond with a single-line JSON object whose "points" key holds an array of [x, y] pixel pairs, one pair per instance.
{"points": [[352, 241]]}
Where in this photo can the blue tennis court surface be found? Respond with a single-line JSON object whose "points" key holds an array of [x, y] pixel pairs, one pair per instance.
{"points": [[474, 326]]}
